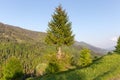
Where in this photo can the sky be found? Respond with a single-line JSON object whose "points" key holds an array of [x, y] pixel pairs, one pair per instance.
{"points": [[96, 22]]}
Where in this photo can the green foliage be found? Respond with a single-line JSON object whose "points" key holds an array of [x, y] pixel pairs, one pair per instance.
{"points": [[57, 65], [31, 78], [59, 32], [40, 69], [106, 68], [29, 54], [83, 59], [53, 65], [117, 50], [29, 48], [13, 69], [65, 62]]}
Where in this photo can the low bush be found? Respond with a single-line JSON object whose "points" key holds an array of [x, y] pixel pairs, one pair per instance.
{"points": [[40, 69], [57, 65], [53, 65], [13, 69], [83, 59], [31, 78]]}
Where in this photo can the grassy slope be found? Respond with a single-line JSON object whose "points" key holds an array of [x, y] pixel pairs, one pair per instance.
{"points": [[107, 68]]}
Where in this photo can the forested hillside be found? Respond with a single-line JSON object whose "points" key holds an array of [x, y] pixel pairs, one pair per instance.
{"points": [[11, 33], [28, 46]]}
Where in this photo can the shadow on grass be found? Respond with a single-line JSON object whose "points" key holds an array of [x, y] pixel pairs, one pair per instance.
{"points": [[79, 68], [104, 74], [71, 74]]}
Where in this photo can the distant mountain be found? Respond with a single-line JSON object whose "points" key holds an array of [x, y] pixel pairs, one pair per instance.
{"points": [[111, 48], [96, 50], [9, 33]]}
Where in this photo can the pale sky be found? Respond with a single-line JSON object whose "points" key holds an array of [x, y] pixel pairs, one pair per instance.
{"points": [[96, 22]]}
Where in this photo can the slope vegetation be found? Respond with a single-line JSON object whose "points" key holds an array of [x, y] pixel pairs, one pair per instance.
{"points": [[28, 46], [107, 68]]}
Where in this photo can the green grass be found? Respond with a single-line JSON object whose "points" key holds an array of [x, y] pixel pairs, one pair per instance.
{"points": [[107, 68]]}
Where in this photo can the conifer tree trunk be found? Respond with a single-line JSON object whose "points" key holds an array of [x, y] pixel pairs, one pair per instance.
{"points": [[59, 54]]}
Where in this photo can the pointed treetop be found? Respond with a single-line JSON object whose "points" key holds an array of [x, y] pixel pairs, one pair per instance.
{"points": [[118, 46], [59, 29]]}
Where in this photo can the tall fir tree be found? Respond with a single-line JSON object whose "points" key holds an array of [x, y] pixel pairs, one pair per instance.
{"points": [[59, 31], [117, 47]]}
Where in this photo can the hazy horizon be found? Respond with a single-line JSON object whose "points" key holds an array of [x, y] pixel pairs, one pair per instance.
{"points": [[94, 22]]}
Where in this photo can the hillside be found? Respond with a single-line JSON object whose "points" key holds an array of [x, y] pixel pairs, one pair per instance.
{"points": [[11, 33], [17, 34], [29, 47], [96, 50], [106, 68]]}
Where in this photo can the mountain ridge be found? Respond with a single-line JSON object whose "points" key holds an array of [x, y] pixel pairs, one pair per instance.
{"points": [[91, 47], [20, 34]]}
